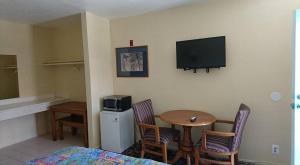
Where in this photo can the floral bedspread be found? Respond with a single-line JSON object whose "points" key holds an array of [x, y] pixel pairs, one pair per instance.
{"points": [[89, 156]]}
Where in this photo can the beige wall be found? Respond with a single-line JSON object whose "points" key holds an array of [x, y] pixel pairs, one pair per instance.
{"points": [[33, 45], [59, 40], [66, 41], [99, 79], [259, 50], [258, 62], [18, 39]]}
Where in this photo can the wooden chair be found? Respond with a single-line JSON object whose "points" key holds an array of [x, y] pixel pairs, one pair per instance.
{"points": [[75, 122], [219, 144], [153, 136]]}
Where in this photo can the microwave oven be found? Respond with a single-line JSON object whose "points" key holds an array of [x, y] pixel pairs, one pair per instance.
{"points": [[117, 103]]}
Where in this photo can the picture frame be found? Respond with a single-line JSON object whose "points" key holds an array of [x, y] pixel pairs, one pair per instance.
{"points": [[132, 61]]}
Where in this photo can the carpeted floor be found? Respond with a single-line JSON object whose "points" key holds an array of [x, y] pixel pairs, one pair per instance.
{"points": [[134, 151]]}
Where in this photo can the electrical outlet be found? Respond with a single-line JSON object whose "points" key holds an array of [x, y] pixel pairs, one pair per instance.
{"points": [[275, 149]]}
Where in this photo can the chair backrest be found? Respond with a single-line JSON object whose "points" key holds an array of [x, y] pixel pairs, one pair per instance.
{"points": [[239, 124], [143, 112]]}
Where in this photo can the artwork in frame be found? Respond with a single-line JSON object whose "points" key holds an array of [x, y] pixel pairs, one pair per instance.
{"points": [[132, 61]]}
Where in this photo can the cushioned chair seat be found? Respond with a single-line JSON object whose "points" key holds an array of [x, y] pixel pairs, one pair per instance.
{"points": [[217, 144], [166, 135]]}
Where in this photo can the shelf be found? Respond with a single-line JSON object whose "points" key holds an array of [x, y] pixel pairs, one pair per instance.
{"points": [[56, 63], [8, 67], [19, 109]]}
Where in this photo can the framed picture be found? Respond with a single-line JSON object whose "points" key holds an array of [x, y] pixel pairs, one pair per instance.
{"points": [[132, 61]]}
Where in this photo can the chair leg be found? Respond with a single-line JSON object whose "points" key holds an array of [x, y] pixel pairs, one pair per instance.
{"points": [[165, 153], [232, 159], [197, 156], [143, 150], [236, 159], [60, 130]]}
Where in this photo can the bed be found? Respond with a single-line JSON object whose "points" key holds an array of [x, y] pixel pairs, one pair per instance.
{"points": [[89, 156]]}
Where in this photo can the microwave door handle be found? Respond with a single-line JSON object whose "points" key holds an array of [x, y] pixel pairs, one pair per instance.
{"points": [[116, 103]]}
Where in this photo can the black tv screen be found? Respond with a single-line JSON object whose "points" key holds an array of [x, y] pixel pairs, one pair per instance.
{"points": [[201, 53]]}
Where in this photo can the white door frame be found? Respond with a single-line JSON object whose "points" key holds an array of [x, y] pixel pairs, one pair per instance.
{"points": [[296, 97]]}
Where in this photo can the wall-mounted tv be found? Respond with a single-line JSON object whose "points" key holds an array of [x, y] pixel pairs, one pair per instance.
{"points": [[201, 53]]}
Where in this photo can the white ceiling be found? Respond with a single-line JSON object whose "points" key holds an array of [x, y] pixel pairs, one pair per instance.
{"points": [[36, 11]]}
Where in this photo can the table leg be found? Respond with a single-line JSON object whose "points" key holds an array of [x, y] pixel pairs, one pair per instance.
{"points": [[178, 155], [187, 143], [186, 146], [74, 131], [53, 124]]}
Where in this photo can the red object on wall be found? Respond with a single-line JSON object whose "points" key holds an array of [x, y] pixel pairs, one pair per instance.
{"points": [[131, 43]]}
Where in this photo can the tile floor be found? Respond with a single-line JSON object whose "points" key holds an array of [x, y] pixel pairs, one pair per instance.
{"points": [[19, 153]]}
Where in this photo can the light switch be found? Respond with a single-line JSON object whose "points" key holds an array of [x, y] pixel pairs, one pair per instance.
{"points": [[275, 96]]}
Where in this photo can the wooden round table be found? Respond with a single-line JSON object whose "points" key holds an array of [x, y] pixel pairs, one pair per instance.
{"points": [[182, 118]]}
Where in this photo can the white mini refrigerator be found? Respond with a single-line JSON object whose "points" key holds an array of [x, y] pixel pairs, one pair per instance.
{"points": [[117, 130]]}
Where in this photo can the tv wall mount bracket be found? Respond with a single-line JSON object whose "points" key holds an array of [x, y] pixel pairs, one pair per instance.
{"points": [[195, 69]]}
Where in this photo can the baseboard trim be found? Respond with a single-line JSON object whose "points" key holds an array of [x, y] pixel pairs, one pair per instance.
{"points": [[259, 162]]}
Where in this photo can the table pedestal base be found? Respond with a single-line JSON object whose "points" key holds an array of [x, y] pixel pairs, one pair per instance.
{"points": [[186, 147]]}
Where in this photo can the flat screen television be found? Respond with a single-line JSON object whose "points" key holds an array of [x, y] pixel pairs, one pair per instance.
{"points": [[201, 53]]}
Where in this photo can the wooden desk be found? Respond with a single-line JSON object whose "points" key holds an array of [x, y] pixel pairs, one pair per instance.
{"points": [[182, 118], [73, 108]]}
